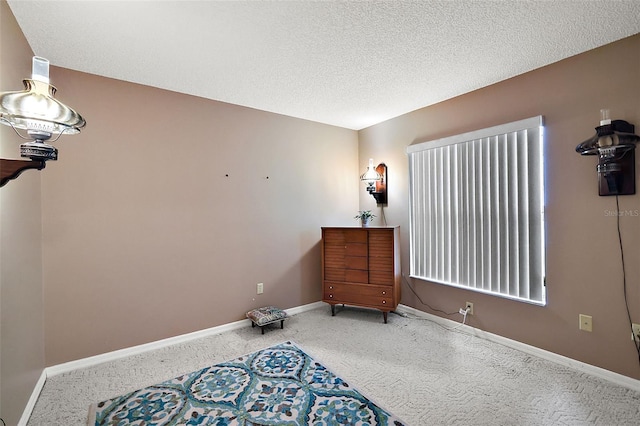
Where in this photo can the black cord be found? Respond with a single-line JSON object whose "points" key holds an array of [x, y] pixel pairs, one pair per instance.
{"points": [[382, 216], [426, 304], [636, 343], [3, 421]]}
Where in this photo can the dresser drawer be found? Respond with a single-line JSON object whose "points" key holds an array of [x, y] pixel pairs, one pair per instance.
{"points": [[346, 275], [340, 236], [367, 295], [381, 263], [356, 236], [353, 256], [381, 277], [381, 243], [339, 255], [356, 249], [356, 276], [354, 262]]}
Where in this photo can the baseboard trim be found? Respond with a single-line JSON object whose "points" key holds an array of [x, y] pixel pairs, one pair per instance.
{"points": [[159, 344], [135, 350], [599, 372], [304, 308], [28, 409], [54, 370]]}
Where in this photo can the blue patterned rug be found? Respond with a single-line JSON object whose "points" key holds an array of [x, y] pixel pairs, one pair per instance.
{"points": [[280, 385]]}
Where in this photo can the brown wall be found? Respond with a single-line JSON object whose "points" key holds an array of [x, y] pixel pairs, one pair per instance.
{"points": [[142, 235], [21, 304], [583, 258], [146, 237]]}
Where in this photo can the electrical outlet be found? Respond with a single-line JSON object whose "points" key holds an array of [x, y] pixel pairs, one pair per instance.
{"points": [[469, 306], [586, 322], [636, 332], [260, 288]]}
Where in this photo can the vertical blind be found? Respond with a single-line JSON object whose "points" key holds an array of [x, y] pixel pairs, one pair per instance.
{"points": [[477, 210]]}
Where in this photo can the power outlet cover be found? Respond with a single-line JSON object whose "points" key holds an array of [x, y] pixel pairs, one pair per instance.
{"points": [[586, 322], [636, 332], [470, 306]]}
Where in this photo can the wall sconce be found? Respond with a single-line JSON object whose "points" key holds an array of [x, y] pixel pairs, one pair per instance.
{"points": [[614, 143], [37, 112], [376, 179]]}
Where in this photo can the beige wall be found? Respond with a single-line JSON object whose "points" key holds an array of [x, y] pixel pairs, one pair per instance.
{"points": [[21, 304], [583, 258], [146, 237]]}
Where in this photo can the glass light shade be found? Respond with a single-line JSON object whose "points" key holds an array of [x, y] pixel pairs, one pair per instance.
{"points": [[371, 174], [35, 108]]}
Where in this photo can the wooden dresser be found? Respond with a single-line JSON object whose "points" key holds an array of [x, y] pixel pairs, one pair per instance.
{"points": [[361, 267]]}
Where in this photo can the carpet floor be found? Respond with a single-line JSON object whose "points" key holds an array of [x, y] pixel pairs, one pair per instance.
{"points": [[278, 385], [417, 369]]}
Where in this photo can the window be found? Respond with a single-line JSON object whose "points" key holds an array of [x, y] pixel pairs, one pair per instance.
{"points": [[477, 210]]}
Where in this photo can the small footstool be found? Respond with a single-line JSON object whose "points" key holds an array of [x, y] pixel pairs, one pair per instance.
{"points": [[266, 315]]}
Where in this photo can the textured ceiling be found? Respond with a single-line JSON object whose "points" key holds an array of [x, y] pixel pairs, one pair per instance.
{"points": [[350, 64]]}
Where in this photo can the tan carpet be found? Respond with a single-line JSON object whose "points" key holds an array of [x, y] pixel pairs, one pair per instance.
{"points": [[420, 371]]}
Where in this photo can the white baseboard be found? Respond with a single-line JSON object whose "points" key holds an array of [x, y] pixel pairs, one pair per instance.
{"points": [[616, 378], [159, 344], [32, 400], [602, 373], [135, 350]]}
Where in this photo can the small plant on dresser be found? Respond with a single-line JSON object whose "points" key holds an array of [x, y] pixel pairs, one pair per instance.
{"points": [[365, 217]]}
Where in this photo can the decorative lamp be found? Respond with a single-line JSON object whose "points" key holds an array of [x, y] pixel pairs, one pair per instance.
{"points": [[41, 116], [614, 143], [376, 179]]}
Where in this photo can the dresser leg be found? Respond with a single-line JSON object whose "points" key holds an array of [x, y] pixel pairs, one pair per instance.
{"points": [[333, 310], [384, 314]]}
